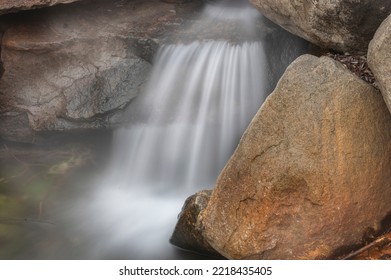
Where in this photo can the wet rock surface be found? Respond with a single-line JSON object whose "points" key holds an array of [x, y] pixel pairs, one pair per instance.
{"points": [[312, 172], [342, 25]]}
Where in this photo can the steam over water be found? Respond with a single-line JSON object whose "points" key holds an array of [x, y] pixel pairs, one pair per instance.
{"points": [[200, 98]]}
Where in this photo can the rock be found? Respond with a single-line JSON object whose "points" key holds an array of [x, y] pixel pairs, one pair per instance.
{"points": [[186, 235], [9, 6], [177, 1], [77, 66], [379, 59], [342, 25], [282, 48], [311, 173]]}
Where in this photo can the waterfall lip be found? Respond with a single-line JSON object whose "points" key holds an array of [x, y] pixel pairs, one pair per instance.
{"points": [[215, 42], [230, 3], [232, 13], [235, 21]]}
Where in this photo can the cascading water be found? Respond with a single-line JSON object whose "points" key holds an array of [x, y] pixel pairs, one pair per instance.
{"points": [[200, 98]]}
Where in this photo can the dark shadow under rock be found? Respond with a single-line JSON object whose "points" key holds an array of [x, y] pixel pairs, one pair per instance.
{"points": [[186, 234]]}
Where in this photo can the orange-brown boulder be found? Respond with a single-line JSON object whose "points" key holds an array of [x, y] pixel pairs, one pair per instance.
{"points": [[312, 172]]}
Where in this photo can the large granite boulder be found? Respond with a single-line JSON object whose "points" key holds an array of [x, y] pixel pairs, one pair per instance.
{"points": [[342, 25], [76, 66], [379, 59], [312, 172], [8, 6]]}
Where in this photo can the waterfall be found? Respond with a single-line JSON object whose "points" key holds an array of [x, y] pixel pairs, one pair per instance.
{"points": [[182, 129], [200, 99]]}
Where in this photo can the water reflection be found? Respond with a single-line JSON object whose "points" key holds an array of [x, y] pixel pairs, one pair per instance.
{"points": [[53, 206]]}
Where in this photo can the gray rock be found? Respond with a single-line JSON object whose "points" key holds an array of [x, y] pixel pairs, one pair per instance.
{"points": [[77, 66], [379, 59], [312, 172], [342, 25], [8, 6]]}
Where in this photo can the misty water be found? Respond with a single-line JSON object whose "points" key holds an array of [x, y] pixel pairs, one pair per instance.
{"points": [[182, 129]]}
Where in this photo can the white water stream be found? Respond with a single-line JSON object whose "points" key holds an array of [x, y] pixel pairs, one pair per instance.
{"points": [[186, 124], [199, 100]]}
